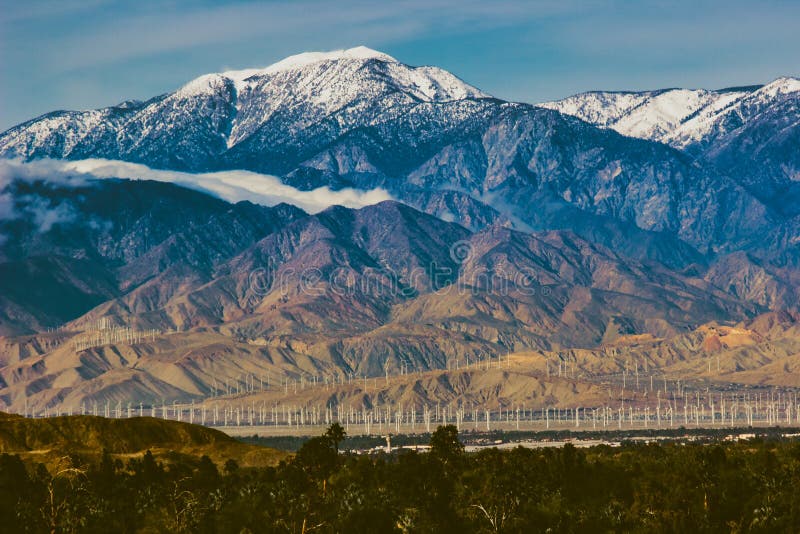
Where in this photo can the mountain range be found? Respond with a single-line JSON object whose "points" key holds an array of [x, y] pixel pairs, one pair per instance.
{"points": [[717, 127], [512, 226]]}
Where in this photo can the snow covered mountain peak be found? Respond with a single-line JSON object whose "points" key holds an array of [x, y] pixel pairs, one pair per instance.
{"points": [[781, 86], [305, 59], [209, 83], [351, 88], [337, 68]]}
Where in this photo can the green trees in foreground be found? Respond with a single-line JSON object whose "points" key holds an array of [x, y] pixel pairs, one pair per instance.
{"points": [[727, 487]]}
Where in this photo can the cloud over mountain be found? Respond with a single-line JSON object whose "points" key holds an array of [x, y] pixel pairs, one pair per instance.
{"points": [[233, 186]]}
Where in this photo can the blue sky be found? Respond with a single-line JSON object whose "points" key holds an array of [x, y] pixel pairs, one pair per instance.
{"points": [[68, 54]]}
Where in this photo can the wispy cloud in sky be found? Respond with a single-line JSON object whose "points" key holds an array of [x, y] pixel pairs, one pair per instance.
{"points": [[85, 54], [149, 30]]}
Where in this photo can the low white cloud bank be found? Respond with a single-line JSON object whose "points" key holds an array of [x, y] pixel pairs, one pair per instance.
{"points": [[233, 186]]}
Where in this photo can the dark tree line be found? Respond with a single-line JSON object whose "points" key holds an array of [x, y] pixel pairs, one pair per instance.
{"points": [[728, 487]]}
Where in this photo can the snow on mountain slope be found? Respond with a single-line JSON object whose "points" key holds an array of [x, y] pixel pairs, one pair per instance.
{"points": [[683, 118], [63, 131], [601, 108], [699, 124], [673, 116]]}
